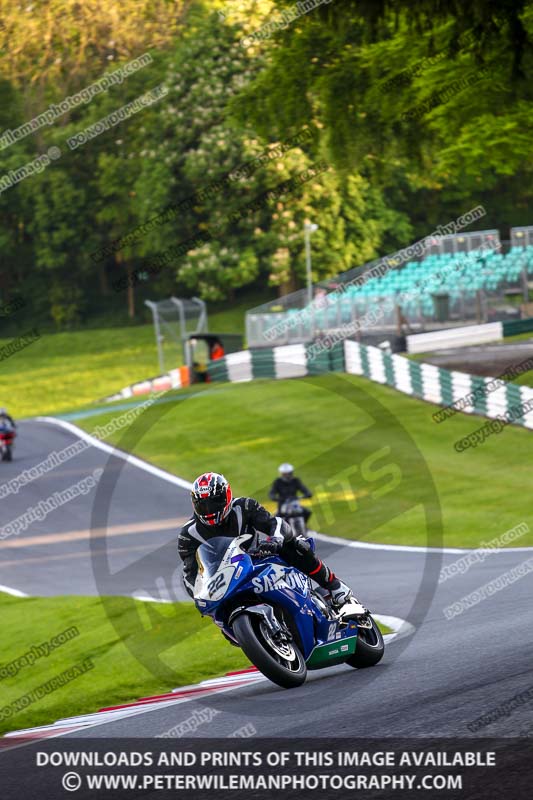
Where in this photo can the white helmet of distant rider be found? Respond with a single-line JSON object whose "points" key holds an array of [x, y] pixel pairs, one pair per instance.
{"points": [[286, 471]]}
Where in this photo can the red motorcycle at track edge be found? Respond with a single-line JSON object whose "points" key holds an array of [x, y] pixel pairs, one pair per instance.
{"points": [[7, 438]]}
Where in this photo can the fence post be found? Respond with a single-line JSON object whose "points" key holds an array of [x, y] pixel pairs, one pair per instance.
{"points": [[525, 287], [158, 338], [398, 311]]}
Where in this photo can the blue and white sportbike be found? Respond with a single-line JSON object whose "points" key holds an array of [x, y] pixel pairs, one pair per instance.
{"points": [[271, 611]]}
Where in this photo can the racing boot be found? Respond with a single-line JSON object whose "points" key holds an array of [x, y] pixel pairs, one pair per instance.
{"points": [[344, 602], [340, 596], [340, 593]]}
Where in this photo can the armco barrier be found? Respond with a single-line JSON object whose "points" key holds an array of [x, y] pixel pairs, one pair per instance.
{"points": [[288, 361], [477, 395], [471, 394], [175, 379], [438, 385], [516, 326]]}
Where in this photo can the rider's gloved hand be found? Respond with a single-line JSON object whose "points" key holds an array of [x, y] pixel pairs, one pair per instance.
{"points": [[269, 547]]}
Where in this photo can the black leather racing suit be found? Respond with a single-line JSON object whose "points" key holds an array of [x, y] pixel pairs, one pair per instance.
{"points": [[248, 516], [5, 418], [282, 490]]}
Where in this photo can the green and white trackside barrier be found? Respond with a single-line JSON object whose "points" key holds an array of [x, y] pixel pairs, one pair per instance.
{"points": [[455, 391], [467, 336], [288, 361], [516, 326]]}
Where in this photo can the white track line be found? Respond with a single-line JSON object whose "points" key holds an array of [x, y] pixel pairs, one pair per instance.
{"points": [[107, 448], [73, 726], [397, 548], [14, 592], [399, 626], [147, 598], [404, 548], [215, 686], [167, 476]]}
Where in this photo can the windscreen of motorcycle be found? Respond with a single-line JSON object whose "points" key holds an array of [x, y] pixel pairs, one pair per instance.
{"points": [[215, 569]]}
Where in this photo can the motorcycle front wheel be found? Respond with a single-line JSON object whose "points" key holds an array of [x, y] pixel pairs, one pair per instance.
{"points": [[369, 648], [280, 662]]}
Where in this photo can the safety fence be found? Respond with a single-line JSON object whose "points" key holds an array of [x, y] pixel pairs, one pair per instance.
{"points": [[515, 327], [455, 391], [287, 361], [464, 278]]}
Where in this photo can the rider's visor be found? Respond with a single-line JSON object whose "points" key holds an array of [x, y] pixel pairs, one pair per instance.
{"points": [[205, 506]]}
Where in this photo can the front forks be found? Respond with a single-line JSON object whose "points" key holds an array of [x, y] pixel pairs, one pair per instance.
{"points": [[263, 610]]}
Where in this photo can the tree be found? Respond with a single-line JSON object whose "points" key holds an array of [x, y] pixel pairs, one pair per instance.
{"points": [[426, 100], [59, 45], [245, 242]]}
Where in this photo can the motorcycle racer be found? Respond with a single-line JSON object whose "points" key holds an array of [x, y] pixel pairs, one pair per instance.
{"points": [[288, 486], [6, 420], [7, 434], [217, 513]]}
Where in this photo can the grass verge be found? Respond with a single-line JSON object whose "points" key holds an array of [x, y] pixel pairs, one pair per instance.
{"points": [[65, 369], [61, 371], [192, 649], [246, 430]]}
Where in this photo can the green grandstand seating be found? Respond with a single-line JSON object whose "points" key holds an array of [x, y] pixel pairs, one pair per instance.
{"points": [[476, 270]]}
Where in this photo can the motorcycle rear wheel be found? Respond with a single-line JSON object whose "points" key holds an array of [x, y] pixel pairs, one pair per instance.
{"points": [[283, 664], [370, 647]]}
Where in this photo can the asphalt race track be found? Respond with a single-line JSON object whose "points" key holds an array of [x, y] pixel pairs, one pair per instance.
{"points": [[487, 359], [431, 683], [54, 556]]}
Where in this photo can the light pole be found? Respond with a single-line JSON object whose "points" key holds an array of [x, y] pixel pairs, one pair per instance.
{"points": [[309, 228]]}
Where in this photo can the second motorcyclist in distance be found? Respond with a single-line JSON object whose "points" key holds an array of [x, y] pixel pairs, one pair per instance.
{"points": [[288, 486]]}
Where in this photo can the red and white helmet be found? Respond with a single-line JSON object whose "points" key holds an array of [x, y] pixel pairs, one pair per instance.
{"points": [[211, 498]]}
